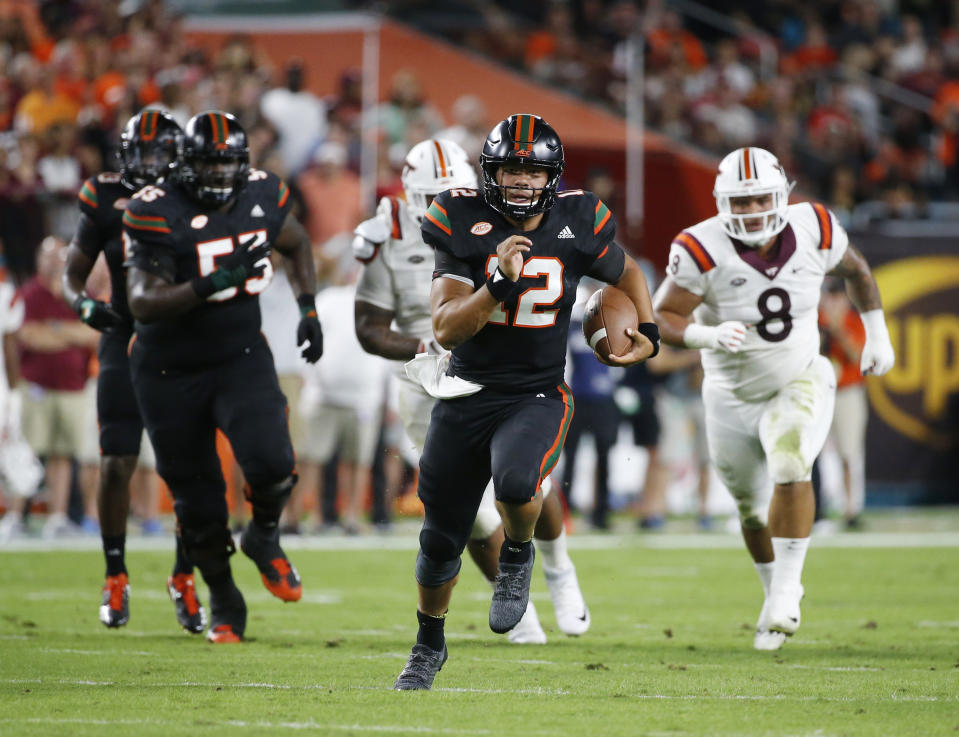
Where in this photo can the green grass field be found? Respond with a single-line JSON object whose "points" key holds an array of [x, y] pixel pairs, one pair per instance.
{"points": [[669, 652]]}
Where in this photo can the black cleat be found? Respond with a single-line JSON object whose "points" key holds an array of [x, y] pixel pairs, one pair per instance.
{"points": [[189, 611], [510, 594], [227, 616], [278, 574], [115, 607], [421, 669]]}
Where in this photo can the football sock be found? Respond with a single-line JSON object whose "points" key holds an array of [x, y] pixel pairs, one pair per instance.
{"points": [[182, 564], [790, 556], [765, 571], [555, 554], [431, 630], [220, 582], [515, 552], [113, 551]]}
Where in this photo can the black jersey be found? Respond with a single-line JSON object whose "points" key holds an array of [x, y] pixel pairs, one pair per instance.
{"points": [[177, 239], [523, 345], [103, 199]]}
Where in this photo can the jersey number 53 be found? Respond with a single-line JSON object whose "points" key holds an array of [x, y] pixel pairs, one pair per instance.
{"points": [[208, 251]]}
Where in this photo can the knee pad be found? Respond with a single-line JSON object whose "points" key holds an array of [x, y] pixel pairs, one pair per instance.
{"points": [[439, 547], [792, 431], [516, 485], [209, 546], [432, 573], [785, 458], [268, 499]]}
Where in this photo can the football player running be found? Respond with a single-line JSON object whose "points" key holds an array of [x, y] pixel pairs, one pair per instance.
{"points": [[507, 262], [744, 286], [198, 248], [394, 285], [147, 153]]}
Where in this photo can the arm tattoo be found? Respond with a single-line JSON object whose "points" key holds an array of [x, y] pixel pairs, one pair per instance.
{"points": [[860, 284]]}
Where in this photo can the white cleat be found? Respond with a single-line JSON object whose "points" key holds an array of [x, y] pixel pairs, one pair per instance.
{"points": [[11, 527], [764, 639], [528, 631], [783, 609], [572, 615]]}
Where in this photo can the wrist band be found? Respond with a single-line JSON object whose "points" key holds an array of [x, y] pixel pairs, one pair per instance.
{"points": [[307, 303], [500, 285], [651, 331]]}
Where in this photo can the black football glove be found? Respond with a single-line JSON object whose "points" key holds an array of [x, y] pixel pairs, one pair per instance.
{"points": [[234, 268], [98, 315], [309, 330]]}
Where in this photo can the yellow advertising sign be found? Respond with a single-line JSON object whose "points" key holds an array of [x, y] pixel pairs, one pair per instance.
{"points": [[920, 297]]}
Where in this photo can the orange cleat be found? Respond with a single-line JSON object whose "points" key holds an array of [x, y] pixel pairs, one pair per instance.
{"points": [[279, 575], [189, 611], [223, 634], [115, 607], [227, 616]]}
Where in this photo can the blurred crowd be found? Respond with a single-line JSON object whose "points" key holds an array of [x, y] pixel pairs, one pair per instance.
{"points": [[76, 71], [858, 99]]}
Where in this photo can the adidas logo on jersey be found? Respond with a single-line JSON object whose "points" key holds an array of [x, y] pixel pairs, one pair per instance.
{"points": [[257, 212], [565, 233]]}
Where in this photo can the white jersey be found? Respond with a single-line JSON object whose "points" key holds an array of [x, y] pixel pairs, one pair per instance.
{"points": [[776, 298], [399, 275], [11, 318]]}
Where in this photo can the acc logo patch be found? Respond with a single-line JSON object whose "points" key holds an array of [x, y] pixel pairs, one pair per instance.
{"points": [[121, 203], [481, 228], [416, 259], [738, 281], [199, 221]]}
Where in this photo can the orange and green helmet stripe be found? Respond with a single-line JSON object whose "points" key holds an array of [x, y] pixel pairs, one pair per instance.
{"points": [[523, 140], [88, 194], [437, 215], [220, 129], [602, 214], [155, 223], [148, 125]]}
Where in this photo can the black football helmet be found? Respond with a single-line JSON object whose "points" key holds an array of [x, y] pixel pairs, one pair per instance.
{"points": [[148, 148], [521, 139], [214, 161]]}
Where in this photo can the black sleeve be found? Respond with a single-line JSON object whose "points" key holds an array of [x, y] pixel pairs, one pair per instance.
{"points": [[153, 259], [88, 237], [449, 266], [609, 265]]}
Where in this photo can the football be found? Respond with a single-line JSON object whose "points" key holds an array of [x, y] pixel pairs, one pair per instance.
{"points": [[608, 313]]}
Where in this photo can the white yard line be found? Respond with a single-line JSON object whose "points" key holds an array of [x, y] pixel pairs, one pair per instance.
{"points": [[894, 696], [409, 542]]}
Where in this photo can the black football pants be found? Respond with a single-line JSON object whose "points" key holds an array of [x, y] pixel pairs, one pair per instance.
{"points": [[182, 410], [514, 438]]}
